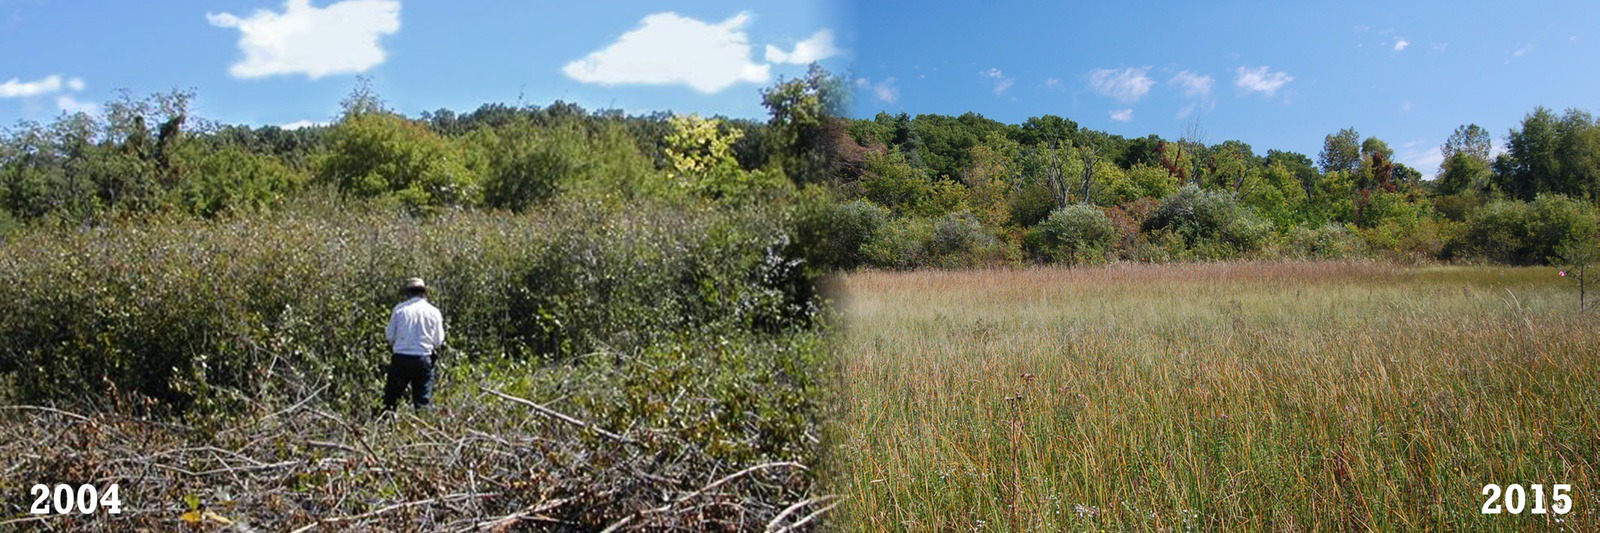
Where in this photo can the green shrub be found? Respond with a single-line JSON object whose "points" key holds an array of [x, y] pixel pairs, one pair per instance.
{"points": [[529, 163], [199, 314], [1331, 241], [1212, 223], [1523, 233], [1074, 234], [233, 180], [960, 236], [833, 235], [1029, 204], [383, 154], [903, 243]]}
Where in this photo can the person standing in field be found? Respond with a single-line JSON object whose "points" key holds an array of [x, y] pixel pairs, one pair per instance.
{"points": [[416, 329]]}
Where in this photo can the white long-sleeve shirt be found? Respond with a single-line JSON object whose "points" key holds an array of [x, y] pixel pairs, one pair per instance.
{"points": [[415, 328]]}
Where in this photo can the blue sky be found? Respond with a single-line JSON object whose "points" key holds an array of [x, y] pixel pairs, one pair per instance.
{"points": [[1273, 74], [282, 62]]}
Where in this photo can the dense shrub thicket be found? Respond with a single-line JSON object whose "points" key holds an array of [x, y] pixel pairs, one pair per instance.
{"points": [[196, 286], [206, 311]]}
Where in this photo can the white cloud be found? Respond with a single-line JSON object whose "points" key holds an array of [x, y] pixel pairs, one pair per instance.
{"points": [[1186, 111], [1523, 51], [816, 48], [16, 88], [886, 91], [71, 105], [1401, 45], [1423, 156], [1127, 85], [48, 85], [298, 124], [1001, 82], [1122, 115], [883, 90], [341, 38], [1261, 80], [1441, 47], [668, 49], [1052, 83], [1194, 85], [1405, 107]]}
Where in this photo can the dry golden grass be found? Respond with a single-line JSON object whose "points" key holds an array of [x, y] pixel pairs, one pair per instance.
{"points": [[1281, 396]]}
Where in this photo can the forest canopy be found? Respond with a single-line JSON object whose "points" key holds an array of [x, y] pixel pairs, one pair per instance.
{"points": [[937, 190]]}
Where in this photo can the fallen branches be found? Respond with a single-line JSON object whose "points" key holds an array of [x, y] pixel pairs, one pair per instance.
{"points": [[303, 468], [394, 507], [551, 413], [708, 488]]}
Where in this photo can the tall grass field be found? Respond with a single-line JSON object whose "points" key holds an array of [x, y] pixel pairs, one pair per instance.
{"points": [[1228, 396]]}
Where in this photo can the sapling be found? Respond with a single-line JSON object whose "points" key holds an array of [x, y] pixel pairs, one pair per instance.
{"points": [[1574, 257]]}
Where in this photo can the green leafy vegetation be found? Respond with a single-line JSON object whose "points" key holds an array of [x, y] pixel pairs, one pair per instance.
{"points": [[631, 302], [1215, 201]]}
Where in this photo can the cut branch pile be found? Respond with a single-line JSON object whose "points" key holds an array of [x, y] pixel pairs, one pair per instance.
{"points": [[498, 463]]}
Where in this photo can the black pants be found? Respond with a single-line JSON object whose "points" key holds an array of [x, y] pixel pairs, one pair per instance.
{"points": [[413, 370]]}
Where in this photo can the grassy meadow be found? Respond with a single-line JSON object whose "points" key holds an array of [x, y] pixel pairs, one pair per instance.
{"points": [[1282, 396]]}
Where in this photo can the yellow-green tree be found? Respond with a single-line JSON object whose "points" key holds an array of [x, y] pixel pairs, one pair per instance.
{"points": [[700, 153]]}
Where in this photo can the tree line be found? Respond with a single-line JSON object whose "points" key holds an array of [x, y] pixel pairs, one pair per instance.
{"points": [[152, 156], [937, 190]]}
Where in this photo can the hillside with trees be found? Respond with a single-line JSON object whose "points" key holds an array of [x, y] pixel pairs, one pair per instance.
{"points": [[936, 190]]}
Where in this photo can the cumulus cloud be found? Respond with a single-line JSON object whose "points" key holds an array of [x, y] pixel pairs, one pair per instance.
{"points": [[48, 85], [886, 91], [1127, 85], [16, 88], [1001, 82], [1401, 45], [1194, 85], [669, 49], [816, 48], [1261, 80], [1122, 115], [1052, 83], [883, 90], [341, 38], [299, 124]]}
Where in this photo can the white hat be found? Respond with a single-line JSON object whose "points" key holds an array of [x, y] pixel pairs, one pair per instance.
{"points": [[415, 283]]}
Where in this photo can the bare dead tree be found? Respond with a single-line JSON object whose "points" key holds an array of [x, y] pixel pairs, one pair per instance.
{"points": [[1193, 139], [1060, 190], [1088, 171]]}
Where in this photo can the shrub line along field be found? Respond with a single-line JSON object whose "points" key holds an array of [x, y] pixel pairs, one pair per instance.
{"points": [[1282, 396]]}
